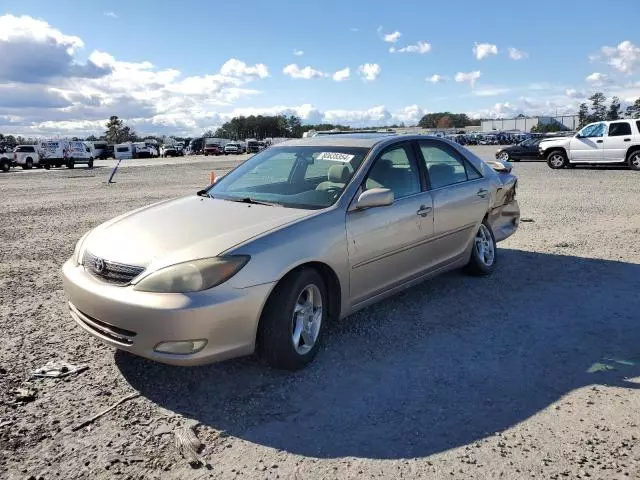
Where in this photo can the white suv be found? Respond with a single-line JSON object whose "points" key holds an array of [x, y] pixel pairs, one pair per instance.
{"points": [[601, 142], [26, 156]]}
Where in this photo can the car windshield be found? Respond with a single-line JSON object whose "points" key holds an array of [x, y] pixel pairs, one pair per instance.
{"points": [[310, 177]]}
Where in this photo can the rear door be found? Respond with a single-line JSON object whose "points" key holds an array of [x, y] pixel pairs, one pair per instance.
{"points": [[587, 145], [617, 142], [460, 200], [386, 244]]}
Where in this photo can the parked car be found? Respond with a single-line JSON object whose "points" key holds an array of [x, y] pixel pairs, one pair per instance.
{"points": [[613, 142], [5, 162], [125, 151], [232, 148], [213, 149], [65, 152], [168, 150], [239, 267], [26, 156], [525, 150]]}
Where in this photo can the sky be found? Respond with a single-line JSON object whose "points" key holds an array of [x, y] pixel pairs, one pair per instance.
{"points": [[185, 67]]}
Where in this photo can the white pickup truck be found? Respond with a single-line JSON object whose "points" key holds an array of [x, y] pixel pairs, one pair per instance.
{"points": [[26, 156], [613, 142]]}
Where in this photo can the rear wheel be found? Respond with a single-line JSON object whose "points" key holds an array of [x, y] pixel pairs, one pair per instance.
{"points": [[504, 156], [71, 164], [90, 164], [28, 164], [484, 254], [291, 326], [557, 159], [5, 165], [634, 160]]}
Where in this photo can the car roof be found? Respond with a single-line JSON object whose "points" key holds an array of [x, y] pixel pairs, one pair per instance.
{"points": [[363, 140]]}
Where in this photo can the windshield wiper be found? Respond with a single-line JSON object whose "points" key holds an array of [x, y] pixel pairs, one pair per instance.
{"points": [[253, 201]]}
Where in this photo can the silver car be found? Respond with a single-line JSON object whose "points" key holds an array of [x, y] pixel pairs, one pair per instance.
{"points": [[302, 233]]}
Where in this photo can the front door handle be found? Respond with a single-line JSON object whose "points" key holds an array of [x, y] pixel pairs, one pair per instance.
{"points": [[424, 210], [483, 193], [598, 141]]}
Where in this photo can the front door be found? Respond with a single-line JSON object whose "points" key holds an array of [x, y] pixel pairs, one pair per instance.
{"points": [[617, 142], [461, 198], [587, 145], [386, 243]]}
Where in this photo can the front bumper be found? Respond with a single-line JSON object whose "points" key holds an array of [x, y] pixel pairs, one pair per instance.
{"points": [[227, 318]]}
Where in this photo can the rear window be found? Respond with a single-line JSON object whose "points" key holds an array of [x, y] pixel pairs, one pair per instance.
{"points": [[26, 149], [123, 149], [619, 129]]}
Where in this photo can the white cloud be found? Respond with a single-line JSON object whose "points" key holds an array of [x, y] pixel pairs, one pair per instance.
{"points": [[306, 73], [625, 57], [420, 47], [298, 53], [573, 93], [341, 75], [392, 37], [469, 78], [32, 51], [369, 71], [515, 54], [597, 78], [236, 68], [110, 14], [491, 92], [482, 50], [435, 78]]}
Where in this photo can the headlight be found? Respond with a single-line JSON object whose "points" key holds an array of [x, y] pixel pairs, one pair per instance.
{"points": [[193, 276], [78, 247]]}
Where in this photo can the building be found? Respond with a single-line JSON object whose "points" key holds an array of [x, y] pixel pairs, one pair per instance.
{"points": [[525, 124]]}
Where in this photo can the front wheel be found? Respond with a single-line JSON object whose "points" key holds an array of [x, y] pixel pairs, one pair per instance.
{"points": [[484, 253], [71, 164], [292, 322], [28, 164], [504, 156], [90, 164], [5, 166], [634, 161], [557, 160]]}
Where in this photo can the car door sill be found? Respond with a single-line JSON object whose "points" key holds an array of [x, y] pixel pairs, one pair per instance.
{"points": [[457, 262]]}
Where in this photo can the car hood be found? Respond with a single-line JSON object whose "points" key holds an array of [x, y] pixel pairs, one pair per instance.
{"points": [[184, 229]]}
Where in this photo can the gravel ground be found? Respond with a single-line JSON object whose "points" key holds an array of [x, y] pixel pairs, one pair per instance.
{"points": [[531, 373]]}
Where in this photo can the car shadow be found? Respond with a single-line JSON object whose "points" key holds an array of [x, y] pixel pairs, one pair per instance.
{"points": [[439, 366]]}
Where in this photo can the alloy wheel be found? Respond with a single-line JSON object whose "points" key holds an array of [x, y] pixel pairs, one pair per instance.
{"points": [[307, 319], [484, 246]]}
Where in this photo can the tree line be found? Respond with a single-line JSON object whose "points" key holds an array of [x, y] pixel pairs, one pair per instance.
{"points": [[599, 111], [447, 120]]}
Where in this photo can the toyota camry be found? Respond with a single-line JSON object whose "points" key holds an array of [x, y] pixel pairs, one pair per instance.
{"points": [[303, 232]]}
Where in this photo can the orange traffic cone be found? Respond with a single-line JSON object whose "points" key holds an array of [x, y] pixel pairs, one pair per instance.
{"points": [[212, 177]]}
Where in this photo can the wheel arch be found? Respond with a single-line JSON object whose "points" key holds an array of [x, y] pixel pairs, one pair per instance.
{"points": [[550, 150], [632, 150]]}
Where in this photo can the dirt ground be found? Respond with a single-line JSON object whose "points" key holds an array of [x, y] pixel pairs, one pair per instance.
{"points": [[533, 372]]}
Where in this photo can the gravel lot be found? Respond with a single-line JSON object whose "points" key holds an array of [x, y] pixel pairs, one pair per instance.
{"points": [[531, 373]]}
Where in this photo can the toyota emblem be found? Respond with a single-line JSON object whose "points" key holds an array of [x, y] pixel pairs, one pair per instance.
{"points": [[98, 265]]}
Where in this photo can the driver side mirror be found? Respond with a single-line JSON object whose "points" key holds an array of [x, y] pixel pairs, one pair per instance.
{"points": [[578, 135], [376, 197]]}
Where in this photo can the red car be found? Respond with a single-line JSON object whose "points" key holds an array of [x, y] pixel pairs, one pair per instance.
{"points": [[213, 149]]}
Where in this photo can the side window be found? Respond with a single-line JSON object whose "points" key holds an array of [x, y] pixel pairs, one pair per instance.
{"points": [[396, 170], [444, 167], [594, 130], [619, 129], [638, 125]]}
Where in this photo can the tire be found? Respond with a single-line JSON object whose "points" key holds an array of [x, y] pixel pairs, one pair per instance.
{"points": [[484, 252], [634, 160], [504, 156], [5, 166], [28, 164], [90, 164], [276, 331], [71, 164], [557, 159], [47, 166]]}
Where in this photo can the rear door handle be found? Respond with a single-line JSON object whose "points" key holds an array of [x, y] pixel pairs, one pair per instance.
{"points": [[598, 141], [483, 193], [424, 210], [627, 139]]}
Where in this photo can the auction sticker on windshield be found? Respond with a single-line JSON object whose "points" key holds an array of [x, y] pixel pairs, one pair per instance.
{"points": [[335, 156]]}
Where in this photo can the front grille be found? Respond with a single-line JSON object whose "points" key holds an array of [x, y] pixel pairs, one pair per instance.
{"points": [[111, 272], [116, 334]]}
